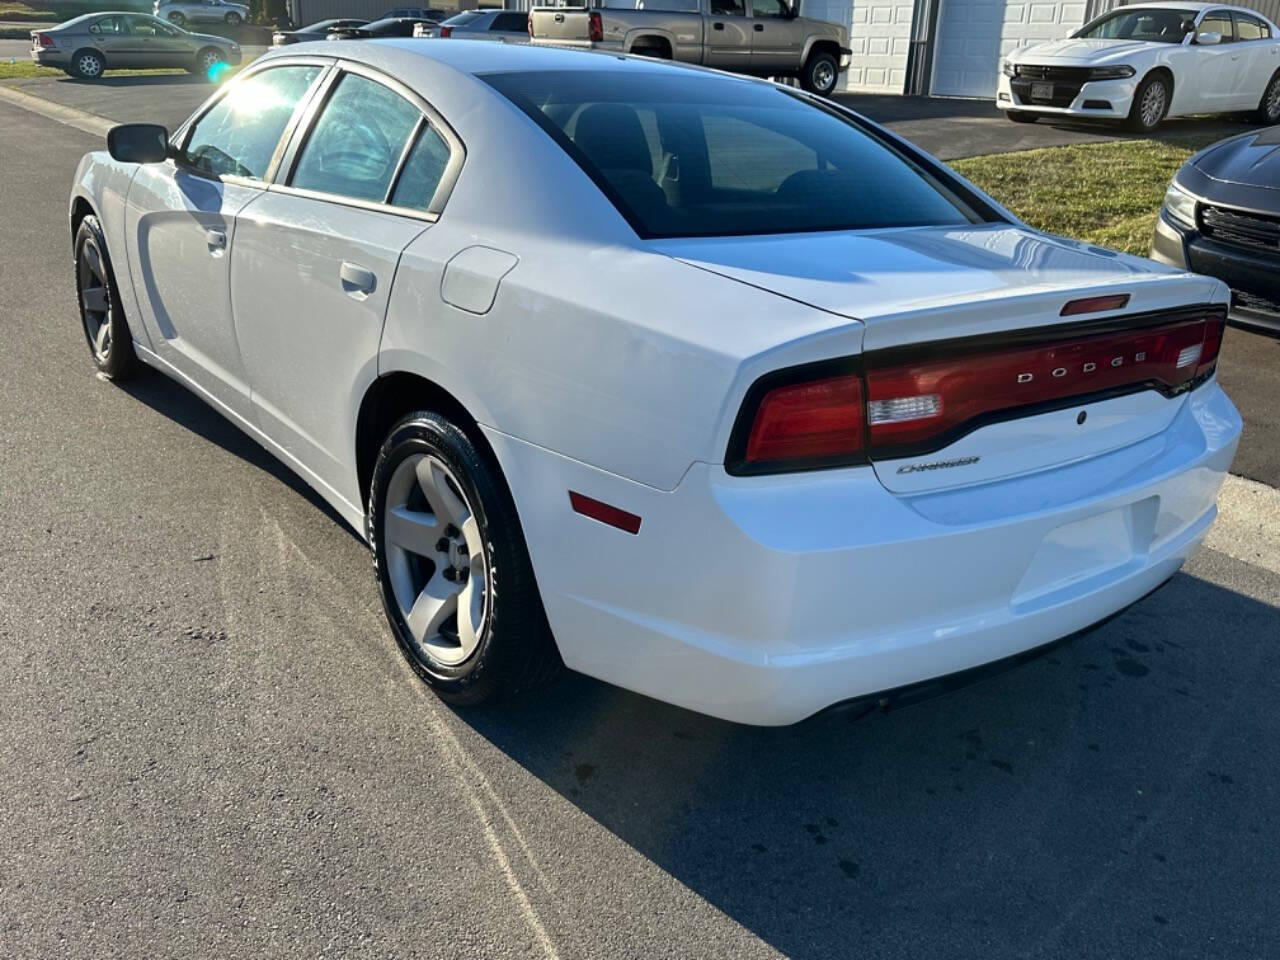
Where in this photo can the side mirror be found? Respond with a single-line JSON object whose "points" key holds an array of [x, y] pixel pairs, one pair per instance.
{"points": [[138, 143], [1207, 38]]}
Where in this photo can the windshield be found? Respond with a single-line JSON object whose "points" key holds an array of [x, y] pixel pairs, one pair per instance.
{"points": [[1157, 25], [682, 154]]}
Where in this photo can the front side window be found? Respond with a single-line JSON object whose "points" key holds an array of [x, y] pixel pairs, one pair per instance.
{"points": [[1218, 22], [1157, 25], [110, 26], [240, 133], [355, 146], [708, 156]]}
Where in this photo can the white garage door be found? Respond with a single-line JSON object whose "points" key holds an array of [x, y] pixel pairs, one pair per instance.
{"points": [[973, 36], [880, 37]]}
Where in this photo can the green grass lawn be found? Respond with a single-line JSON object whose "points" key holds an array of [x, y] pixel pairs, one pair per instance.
{"points": [[1103, 193], [22, 69]]}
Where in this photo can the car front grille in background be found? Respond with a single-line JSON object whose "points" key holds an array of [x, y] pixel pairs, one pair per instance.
{"points": [[1237, 228], [1066, 81], [1248, 303], [1031, 71]]}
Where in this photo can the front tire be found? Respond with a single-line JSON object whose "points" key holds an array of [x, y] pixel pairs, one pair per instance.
{"points": [[233, 19], [1021, 116], [101, 316], [206, 60], [177, 19], [452, 567], [1150, 104], [820, 74], [88, 65], [1269, 106]]}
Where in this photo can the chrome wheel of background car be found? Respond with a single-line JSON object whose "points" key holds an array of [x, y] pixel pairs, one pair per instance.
{"points": [[824, 76], [95, 300], [177, 19], [233, 19], [89, 65], [210, 59], [436, 559], [1271, 102], [1153, 103]]}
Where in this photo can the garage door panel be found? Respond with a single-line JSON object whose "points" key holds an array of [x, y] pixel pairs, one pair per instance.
{"points": [[880, 37]]}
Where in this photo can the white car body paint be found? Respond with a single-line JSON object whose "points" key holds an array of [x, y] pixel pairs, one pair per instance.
{"points": [[616, 367], [1217, 78]]}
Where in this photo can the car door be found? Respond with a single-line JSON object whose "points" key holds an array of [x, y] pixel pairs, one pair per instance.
{"points": [[727, 36], [777, 38], [315, 258], [111, 36], [181, 220], [1259, 60], [159, 44], [1216, 65]]}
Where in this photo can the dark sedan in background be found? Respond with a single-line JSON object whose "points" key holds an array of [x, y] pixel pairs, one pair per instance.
{"points": [[387, 27], [1221, 217], [314, 31]]}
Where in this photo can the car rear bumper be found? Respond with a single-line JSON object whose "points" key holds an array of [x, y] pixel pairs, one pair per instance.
{"points": [[1098, 99], [764, 600], [51, 57]]}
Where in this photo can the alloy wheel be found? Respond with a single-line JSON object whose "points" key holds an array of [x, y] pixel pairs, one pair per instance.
{"points": [[1153, 101], [177, 19], [1272, 104], [210, 60], [89, 65], [824, 76], [436, 560], [95, 300]]}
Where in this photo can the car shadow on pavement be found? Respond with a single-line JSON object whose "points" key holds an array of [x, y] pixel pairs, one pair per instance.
{"points": [[1112, 791], [184, 408]]}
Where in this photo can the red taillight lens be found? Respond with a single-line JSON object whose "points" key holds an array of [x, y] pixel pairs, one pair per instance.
{"points": [[446, 31], [595, 32], [44, 39], [1214, 328], [818, 420]]}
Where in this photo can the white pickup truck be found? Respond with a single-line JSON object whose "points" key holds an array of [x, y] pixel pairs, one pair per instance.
{"points": [[767, 38]]}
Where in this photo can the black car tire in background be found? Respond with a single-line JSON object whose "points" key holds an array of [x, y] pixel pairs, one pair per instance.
{"points": [[233, 19], [1269, 105], [1150, 104], [820, 74], [177, 19]]}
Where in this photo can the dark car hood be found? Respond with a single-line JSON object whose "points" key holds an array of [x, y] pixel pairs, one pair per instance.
{"points": [[1243, 171]]}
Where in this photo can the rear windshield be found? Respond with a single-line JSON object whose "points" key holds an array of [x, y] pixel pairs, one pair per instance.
{"points": [[462, 19], [683, 155]]}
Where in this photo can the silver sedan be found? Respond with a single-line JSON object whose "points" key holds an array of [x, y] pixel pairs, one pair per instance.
{"points": [[87, 46], [182, 12]]}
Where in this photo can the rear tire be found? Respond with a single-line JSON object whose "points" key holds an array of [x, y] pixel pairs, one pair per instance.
{"points": [[820, 74], [233, 19], [88, 65], [1021, 116], [454, 549], [177, 19], [1150, 104], [1269, 106], [101, 316]]}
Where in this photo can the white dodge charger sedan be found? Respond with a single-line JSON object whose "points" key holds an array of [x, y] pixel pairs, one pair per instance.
{"points": [[1145, 62], [691, 382]]}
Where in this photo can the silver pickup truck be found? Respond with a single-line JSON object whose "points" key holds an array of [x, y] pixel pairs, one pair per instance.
{"points": [[763, 37]]}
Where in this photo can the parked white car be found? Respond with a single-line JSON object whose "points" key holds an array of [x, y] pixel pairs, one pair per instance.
{"points": [[721, 393], [1143, 63]]}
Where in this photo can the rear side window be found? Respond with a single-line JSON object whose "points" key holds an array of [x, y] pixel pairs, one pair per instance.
{"points": [[512, 22], [355, 146], [423, 170], [1251, 28], [110, 26], [240, 133], [685, 155]]}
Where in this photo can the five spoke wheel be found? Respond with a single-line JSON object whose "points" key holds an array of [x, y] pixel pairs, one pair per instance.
{"points": [[436, 559]]}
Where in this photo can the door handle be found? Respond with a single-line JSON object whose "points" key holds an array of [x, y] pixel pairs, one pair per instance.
{"points": [[216, 239], [759, 27], [357, 281], [717, 26]]}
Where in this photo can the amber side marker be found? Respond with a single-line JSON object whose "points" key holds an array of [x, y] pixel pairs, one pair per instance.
{"points": [[605, 513], [1095, 304]]}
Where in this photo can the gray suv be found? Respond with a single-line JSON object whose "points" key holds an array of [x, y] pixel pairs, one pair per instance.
{"points": [[181, 12], [88, 45]]}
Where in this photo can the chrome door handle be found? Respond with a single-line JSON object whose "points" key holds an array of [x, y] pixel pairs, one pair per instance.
{"points": [[357, 281], [216, 239]]}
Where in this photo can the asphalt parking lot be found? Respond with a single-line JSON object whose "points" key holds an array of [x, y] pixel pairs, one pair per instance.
{"points": [[210, 746]]}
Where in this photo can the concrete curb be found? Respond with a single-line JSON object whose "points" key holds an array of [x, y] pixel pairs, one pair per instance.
{"points": [[81, 120]]}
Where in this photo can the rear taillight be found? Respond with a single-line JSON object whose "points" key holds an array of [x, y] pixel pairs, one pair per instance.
{"points": [[912, 400], [44, 39], [595, 28], [446, 31]]}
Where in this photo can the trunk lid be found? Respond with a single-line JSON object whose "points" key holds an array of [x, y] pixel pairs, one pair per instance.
{"points": [[941, 305]]}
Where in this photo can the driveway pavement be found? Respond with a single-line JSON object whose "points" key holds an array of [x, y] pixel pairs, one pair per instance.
{"points": [[211, 748]]}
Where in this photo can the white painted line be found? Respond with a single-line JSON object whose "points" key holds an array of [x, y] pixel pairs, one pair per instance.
{"points": [[1248, 524], [88, 122]]}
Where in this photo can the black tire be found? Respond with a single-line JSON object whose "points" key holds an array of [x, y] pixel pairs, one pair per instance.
{"points": [[233, 19], [1139, 119], [820, 74], [1269, 106], [106, 330], [177, 19], [515, 650], [87, 65], [1021, 116], [205, 61]]}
